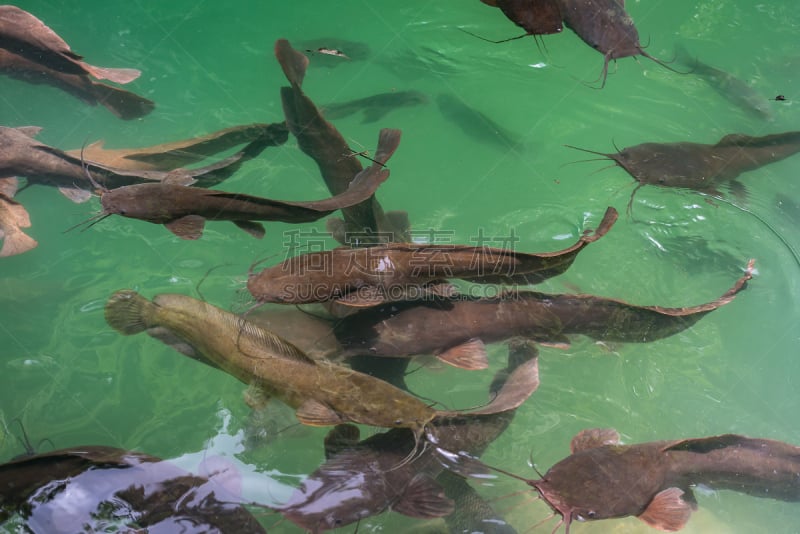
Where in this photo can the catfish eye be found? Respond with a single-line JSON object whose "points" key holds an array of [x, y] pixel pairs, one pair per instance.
{"points": [[590, 514], [398, 421]]}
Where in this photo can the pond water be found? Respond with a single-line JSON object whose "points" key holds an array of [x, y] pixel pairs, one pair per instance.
{"points": [[209, 65]]}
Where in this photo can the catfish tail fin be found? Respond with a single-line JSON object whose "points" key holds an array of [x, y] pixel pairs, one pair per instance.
{"points": [[127, 312]]}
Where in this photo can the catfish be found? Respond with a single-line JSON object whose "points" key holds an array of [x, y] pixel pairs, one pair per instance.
{"points": [[41, 164], [13, 218], [26, 35], [729, 86], [374, 107], [176, 154], [360, 479], [603, 479], [337, 163], [457, 329], [322, 393], [475, 124], [183, 210], [124, 104], [700, 167], [91, 488], [397, 271], [605, 26]]}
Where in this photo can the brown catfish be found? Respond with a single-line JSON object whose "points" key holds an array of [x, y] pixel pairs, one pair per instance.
{"points": [[13, 218], [361, 478], [603, 479], [176, 154], [183, 210], [703, 167], [336, 161], [398, 271], [124, 104], [24, 34], [90, 488], [456, 329], [321, 392], [22, 155], [605, 26]]}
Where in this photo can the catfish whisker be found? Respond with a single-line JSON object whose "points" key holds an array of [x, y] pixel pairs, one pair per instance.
{"points": [[94, 219]]}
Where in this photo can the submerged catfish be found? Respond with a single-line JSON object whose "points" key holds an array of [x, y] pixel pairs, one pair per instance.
{"points": [[703, 167], [603, 479], [362, 478], [456, 329], [374, 107], [399, 271], [605, 26], [96, 488], [124, 104], [727, 85], [475, 124], [321, 392], [183, 210], [13, 218], [24, 34], [337, 163]]}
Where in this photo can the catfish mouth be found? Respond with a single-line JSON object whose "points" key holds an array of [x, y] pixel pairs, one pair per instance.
{"points": [[555, 503]]}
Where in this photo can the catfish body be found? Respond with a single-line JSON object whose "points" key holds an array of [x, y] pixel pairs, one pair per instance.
{"points": [[361, 478], [322, 392], [398, 271], [338, 165], [124, 104], [375, 107], [705, 167], [92, 488], [184, 210], [13, 218], [602, 479], [456, 329], [26, 35]]}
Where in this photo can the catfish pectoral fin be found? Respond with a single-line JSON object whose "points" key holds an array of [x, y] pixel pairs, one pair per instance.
{"points": [[424, 498], [188, 227], [667, 511], [314, 413], [739, 190], [126, 311], [470, 355], [76, 194], [251, 227]]}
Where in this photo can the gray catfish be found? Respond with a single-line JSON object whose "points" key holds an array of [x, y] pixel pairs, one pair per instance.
{"points": [[702, 167], [475, 124], [398, 271], [374, 107], [603, 479], [325, 145], [727, 85], [29, 37], [455, 330], [92, 488], [361, 478], [124, 104], [183, 210], [606, 27]]}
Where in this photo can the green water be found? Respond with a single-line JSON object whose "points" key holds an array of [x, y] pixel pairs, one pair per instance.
{"points": [[72, 379]]}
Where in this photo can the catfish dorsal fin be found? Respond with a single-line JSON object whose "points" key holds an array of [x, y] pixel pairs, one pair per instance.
{"points": [[314, 413], [592, 438], [705, 445], [667, 511], [735, 140], [274, 344]]}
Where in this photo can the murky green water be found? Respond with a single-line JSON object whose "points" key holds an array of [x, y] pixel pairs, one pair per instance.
{"points": [[208, 65]]}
